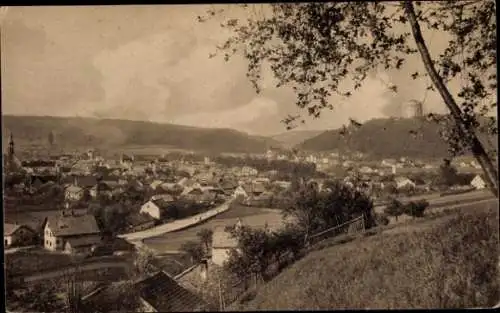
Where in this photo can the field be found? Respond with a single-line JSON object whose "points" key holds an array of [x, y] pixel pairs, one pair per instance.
{"points": [[447, 261], [35, 260], [255, 217]]}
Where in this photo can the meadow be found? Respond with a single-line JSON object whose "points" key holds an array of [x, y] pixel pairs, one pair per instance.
{"points": [[254, 217], [446, 262]]}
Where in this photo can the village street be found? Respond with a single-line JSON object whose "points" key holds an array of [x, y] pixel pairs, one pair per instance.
{"points": [[176, 225]]}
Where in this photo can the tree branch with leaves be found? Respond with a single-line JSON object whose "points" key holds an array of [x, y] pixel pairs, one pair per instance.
{"points": [[322, 50]]}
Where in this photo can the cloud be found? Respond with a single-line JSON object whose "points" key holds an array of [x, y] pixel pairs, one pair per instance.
{"points": [[151, 63], [240, 117], [41, 76]]}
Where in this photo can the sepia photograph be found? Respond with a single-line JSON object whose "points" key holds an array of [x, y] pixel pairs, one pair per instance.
{"points": [[250, 156]]}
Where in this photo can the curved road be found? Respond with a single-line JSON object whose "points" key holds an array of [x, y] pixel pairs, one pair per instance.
{"points": [[176, 225]]}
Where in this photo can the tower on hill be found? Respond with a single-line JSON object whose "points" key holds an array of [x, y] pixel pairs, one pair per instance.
{"points": [[413, 108]]}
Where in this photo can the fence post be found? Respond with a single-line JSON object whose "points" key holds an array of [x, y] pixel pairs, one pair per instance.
{"points": [[363, 222], [221, 304]]}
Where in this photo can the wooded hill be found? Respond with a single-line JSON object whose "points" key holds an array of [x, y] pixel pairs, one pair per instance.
{"points": [[294, 137], [92, 132], [387, 138]]}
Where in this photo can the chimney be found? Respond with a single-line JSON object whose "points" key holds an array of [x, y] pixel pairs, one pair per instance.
{"points": [[394, 169], [75, 180]]}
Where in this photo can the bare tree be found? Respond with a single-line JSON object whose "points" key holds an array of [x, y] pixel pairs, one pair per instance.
{"points": [[325, 49]]}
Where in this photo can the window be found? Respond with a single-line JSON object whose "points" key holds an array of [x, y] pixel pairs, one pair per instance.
{"points": [[6, 242]]}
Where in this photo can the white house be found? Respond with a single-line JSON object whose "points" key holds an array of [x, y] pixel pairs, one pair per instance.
{"points": [[240, 191], [71, 233], [478, 182], [249, 171], [156, 207], [366, 170], [155, 184], [388, 162], [261, 180], [283, 184], [403, 182], [73, 192]]}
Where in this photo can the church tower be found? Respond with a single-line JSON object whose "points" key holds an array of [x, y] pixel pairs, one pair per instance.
{"points": [[11, 147]]}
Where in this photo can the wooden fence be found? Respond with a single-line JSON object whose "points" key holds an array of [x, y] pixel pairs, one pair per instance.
{"points": [[355, 225], [230, 296]]}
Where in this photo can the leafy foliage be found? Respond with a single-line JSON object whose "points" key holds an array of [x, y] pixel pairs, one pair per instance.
{"points": [[447, 174], [144, 262], [255, 252], [325, 49], [417, 208], [205, 236], [395, 208], [40, 298], [194, 249], [381, 219], [315, 210]]}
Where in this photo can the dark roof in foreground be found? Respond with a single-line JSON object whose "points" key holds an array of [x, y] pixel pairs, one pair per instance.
{"points": [[166, 295]]}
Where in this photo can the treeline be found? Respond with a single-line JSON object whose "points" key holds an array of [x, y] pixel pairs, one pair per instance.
{"points": [[263, 253], [286, 170]]}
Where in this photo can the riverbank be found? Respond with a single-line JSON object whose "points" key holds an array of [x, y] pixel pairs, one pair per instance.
{"points": [[176, 225]]}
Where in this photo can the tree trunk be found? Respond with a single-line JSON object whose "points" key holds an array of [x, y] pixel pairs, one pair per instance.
{"points": [[476, 146]]}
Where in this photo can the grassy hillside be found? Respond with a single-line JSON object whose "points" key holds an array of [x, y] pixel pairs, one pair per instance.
{"points": [[384, 138], [91, 132], [295, 137], [448, 262]]}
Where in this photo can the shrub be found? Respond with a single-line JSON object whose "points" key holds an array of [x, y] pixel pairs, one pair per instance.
{"points": [[315, 210], [256, 250], [381, 219], [194, 249], [395, 208], [416, 209]]}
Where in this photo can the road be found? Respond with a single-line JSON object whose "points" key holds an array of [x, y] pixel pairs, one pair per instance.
{"points": [[458, 199], [176, 225]]}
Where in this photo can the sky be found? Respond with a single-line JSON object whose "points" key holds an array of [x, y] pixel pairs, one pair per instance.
{"points": [[152, 63]]}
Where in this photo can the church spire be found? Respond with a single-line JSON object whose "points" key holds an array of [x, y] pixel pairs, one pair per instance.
{"points": [[11, 145]]}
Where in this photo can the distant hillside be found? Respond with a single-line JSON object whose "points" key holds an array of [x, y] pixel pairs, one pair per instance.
{"points": [[385, 138], [92, 132], [295, 137]]}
